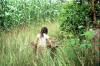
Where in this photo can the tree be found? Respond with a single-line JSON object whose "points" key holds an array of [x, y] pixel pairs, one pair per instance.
{"points": [[93, 11]]}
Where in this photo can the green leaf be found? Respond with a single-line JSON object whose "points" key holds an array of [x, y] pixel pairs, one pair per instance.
{"points": [[89, 35]]}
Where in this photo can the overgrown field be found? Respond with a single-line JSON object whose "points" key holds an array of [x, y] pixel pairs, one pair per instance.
{"points": [[73, 25], [15, 49]]}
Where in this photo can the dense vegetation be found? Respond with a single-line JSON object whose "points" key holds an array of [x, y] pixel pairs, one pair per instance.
{"points": [[76, 18], [68, 22], [17, 12]]}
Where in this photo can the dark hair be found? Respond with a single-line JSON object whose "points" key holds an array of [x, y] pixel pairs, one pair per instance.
{"points": [[44, 30]]}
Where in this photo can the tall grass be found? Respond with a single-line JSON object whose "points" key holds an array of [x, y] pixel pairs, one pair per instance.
{"points": [[15, 49]]}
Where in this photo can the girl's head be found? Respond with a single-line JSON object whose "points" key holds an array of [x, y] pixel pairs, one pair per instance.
{"points": [[44, 30]]}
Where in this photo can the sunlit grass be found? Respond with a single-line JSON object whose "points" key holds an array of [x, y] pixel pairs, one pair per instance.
{"points": [[15, 48]]}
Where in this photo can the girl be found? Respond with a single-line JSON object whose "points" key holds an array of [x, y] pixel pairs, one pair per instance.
{"points": [[41, 41]]}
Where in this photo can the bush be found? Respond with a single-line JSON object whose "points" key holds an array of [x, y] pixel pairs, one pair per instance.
{"points": [[73, 18], [76, 53]]}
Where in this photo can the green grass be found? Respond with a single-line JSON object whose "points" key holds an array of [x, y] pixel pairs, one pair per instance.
{"points": [[15, 49]]}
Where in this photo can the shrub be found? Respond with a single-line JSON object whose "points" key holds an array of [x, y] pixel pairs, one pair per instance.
{"points": [[78, 53], [73, 18]]}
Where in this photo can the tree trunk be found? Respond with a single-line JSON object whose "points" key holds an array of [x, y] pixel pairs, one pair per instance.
{"points": [[96, 45], [93, 11]]}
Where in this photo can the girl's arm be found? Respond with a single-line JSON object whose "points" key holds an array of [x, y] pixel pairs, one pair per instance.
{"points": [[36, 41], [50, 42]]}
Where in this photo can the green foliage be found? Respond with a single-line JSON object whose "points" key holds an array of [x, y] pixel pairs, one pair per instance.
{"points": [[73, 17], [97, 9], [76, 51], [19, 12], [89, 35]]}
